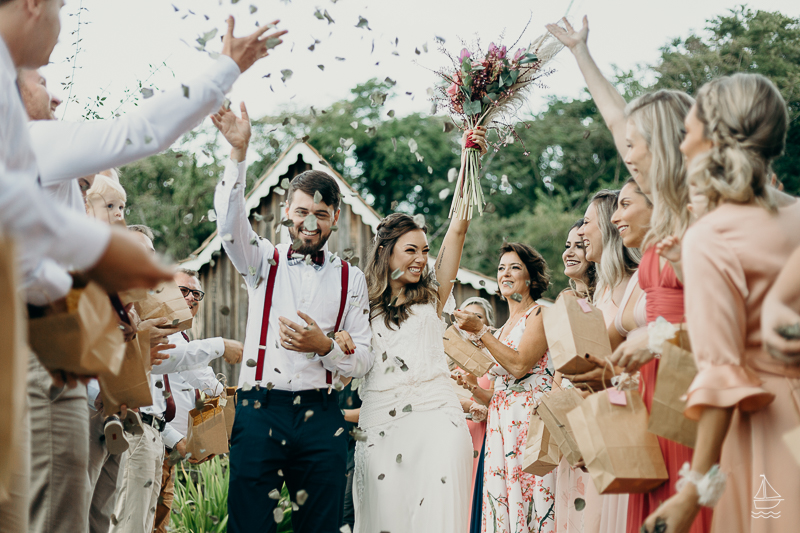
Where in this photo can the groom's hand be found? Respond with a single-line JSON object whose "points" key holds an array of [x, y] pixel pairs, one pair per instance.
{"points": [[308, 338], [247, 50]]}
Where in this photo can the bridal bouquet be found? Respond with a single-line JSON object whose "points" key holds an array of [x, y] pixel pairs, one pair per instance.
{"points": [[483, 88]]}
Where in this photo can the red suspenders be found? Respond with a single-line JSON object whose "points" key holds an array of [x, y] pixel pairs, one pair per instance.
{"points": [[342, 303], [262, 343]]}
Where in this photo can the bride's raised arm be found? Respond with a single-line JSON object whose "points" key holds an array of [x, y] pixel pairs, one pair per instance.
{"points": [[609, 102], [449, 258]]}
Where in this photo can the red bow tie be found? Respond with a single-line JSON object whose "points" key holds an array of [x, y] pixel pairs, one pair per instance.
{"points": [[317, 258]]}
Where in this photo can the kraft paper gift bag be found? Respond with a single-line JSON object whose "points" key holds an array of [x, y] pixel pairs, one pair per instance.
{"points": [[619, 452], [131, 386], [553, 409], [85, 340], [469, 356], [14, 363], [676, 370], [207, 433], [165, 301], [574, 328], [542, 454], [229, 408]]}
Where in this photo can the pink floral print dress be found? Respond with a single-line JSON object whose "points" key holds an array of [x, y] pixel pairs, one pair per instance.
{"points": [[513, 501]]}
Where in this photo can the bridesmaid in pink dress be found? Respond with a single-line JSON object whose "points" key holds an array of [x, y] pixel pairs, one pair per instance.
{"points": [[745, 399], [615, 264], [573, 484]]}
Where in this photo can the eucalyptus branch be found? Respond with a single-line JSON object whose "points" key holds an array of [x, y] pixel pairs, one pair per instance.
{"points": [[74, 59]]}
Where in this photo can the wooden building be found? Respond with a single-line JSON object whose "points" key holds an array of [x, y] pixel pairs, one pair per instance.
{"points": [[224, 309]]}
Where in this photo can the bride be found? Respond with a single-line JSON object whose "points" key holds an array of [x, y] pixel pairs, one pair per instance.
{"points": [[413, 471]]}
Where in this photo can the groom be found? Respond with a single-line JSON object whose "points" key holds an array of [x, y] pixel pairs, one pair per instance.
{"points": [[288, 426]]}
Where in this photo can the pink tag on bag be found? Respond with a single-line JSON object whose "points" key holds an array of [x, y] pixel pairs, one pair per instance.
{"points": [[617, 397], [584, 305]]}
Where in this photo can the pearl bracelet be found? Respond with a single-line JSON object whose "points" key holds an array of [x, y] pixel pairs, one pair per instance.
{"points": [[709, 486]]}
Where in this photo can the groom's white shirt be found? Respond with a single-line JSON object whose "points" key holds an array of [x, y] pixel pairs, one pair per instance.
{"points": [[315, 292]]}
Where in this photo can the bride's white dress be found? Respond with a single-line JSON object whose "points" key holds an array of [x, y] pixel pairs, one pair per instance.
{"points": [[414, 471]]}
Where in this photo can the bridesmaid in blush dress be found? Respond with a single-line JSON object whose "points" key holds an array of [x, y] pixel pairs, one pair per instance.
{"points": [[745, 399]]}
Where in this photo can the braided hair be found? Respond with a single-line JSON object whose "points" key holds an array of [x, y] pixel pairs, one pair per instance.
{"points": [[746, 119]]}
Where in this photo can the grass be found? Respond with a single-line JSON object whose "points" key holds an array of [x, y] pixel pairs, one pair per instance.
{"points": [[201, 499]]}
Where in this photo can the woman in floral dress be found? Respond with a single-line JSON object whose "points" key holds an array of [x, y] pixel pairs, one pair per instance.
{"points": [[513, 501]]}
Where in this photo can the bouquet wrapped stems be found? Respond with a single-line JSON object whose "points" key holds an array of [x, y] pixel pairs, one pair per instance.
{"points": [[468, 193]]}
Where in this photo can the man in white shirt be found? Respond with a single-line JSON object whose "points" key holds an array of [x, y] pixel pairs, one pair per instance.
{"points": [[134, 511], [182, 387], [288, 425], [65, 152], [47, 235]]}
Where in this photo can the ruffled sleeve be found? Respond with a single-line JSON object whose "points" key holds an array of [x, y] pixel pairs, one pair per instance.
{"points": [[716, 312]]}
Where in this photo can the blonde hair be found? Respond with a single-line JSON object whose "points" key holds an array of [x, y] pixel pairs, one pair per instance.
{"points": [[617, 262], [659, 117], [746, 119], [102, 191], [107, 187]]}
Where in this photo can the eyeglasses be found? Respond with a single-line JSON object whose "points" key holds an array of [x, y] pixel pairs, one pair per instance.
{"points": [[198, 295]]}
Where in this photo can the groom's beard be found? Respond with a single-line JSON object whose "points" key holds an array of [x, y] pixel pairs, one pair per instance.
{"points": [[307, 248]]}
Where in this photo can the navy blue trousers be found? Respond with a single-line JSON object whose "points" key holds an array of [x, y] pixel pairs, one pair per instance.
{"points": [[298, 439]]}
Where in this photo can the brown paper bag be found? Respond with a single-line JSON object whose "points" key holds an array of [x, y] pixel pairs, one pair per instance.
{"points": [[14, 363], [619, 452], [131, 386], [676, 370], [468, 356], [229, 409], [166, 301], [207, 434], [541, 454], [85, 340], [553, 409], [572, 332]]}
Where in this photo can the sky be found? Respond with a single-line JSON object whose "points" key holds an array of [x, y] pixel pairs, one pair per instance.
{"points": [[153, 41]]}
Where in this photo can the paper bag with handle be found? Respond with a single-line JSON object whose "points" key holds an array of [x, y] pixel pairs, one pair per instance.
{"points": [[610, 428], [131, 386], [553, 409], [676, 370], [574, 328], [207, 432], [165, 301], [228, 404], [14, 362], [542, 454], [85, 339], [469, 357]]}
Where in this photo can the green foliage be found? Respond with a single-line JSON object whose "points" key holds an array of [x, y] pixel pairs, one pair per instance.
{"points": [[537, 186], [201, 497], [743, 40]]}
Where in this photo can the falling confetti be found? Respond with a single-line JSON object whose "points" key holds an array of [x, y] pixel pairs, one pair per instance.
{"points": [[251, 363]]}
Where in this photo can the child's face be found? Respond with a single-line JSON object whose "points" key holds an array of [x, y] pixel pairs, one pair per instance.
{"points": [[105, 208]]}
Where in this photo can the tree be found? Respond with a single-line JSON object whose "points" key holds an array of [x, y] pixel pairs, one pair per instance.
{"points": [[743, 40]]}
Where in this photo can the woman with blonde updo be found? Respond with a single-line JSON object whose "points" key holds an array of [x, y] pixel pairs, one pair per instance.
{"points": [[744, 399]]}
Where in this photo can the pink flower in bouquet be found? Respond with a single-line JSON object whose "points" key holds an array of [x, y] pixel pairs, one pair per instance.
{"points": [[463, 55], [519, 54], [500, 53], [453, 89]]}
